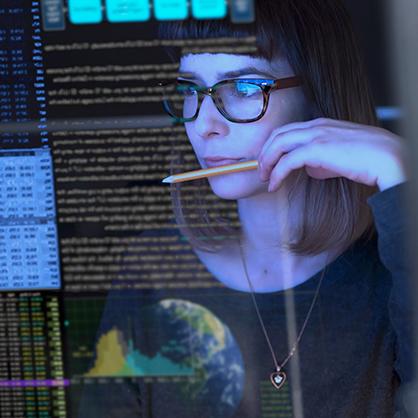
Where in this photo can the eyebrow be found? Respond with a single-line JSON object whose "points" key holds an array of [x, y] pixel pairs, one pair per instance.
{"points": [[232, 74], [244, 71]]}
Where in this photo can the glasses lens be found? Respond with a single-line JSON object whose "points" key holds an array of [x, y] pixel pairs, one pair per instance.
{"points": [[241, 100], [181, 99]]}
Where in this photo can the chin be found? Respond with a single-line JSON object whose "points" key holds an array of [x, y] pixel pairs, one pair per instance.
{"points": [[236, 186]]}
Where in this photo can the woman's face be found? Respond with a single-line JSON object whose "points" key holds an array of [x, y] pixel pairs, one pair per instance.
{"points": [[213, 136]]}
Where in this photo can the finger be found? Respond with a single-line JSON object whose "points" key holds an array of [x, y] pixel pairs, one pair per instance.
{"points": [[311, 155], [326, 123], [313, 123], [291, 136], [287, 128], [284, 143], [319, 122]]}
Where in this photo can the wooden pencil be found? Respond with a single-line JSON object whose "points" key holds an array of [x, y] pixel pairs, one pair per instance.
{"points": [[214, 171]]}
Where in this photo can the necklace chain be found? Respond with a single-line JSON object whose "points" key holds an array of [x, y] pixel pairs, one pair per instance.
{"points": [[295, 344]]}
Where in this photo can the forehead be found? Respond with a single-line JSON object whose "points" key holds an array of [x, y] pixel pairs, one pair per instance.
{"points": [[212, 66]]}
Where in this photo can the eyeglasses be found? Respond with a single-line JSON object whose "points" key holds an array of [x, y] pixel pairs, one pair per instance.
{"points": [[238, 100]]}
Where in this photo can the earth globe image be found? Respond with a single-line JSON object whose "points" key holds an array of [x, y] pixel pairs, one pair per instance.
{"points": [[192, 336]]}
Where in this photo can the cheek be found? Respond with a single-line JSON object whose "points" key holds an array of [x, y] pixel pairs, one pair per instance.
{"points": [[255, 138], [189, 132], [287, 106], [191, 137], [282, 110]]}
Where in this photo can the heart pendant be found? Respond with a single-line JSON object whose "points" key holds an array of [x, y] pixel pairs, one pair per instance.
{"points": [[278, 379]]}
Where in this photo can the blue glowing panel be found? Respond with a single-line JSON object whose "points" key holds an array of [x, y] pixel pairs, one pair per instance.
{"points": [[127, 10], [170, 9], [209, 9], [53, 15], [28, 228], [85, 11], [242, 11]]}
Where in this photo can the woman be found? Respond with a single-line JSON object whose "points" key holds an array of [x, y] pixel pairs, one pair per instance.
{"points": [[312, 318], [327, 178]]}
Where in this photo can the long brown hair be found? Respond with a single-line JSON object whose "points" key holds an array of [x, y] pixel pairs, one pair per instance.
{"points": [[317, 38]]}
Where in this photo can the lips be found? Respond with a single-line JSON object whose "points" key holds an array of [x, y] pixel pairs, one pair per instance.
{"points": [[220, 161]]}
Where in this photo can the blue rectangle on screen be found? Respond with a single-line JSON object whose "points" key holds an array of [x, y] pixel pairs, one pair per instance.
{"points": [[29, 253], [242, 11], [209, 9], [53, 15], [170, 9], [85, 11], [127, 10]]}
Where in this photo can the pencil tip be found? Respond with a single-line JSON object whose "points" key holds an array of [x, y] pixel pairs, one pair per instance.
{"points": [[167, 179]]}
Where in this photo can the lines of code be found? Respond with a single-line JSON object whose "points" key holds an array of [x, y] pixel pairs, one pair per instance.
{"points": [[31, 366], [28, 231], [115, 217]]}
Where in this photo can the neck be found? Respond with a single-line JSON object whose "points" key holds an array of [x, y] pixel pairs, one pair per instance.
{"points": [[269, 221]]}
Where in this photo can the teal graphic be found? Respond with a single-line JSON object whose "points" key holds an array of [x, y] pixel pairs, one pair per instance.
{"points": [[85, 11], [209, 9], [116, 357], [170, 9], [127, 10]]}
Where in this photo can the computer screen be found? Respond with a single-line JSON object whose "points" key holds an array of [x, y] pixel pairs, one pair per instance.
{"points": [[120, 295]]}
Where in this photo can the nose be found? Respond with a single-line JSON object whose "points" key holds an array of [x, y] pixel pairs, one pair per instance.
{"points": [[209, 122]]}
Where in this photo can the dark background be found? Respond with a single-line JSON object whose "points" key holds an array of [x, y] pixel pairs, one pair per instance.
{"points": [[369, 23]]}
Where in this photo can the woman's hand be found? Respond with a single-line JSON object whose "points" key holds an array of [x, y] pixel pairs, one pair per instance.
{"points": [[332, 148]]}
